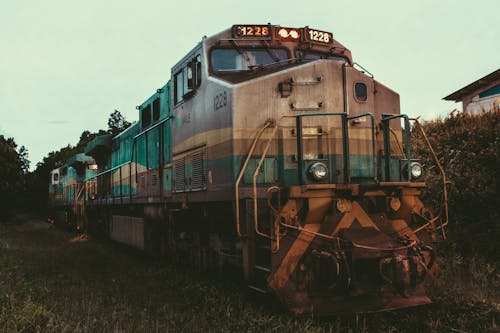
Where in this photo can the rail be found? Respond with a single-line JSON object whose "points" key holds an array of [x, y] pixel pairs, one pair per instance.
{"points": [[351, 243], [79, 204], [345, 142], [269, 123], [374, 150], [345, 148], [272, 123], [444, 200], [261, 130], [387, 142], [104, 182], [256, 173]]}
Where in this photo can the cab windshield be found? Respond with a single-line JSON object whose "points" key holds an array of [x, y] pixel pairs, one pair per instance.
{"points": [[311, 55], [242, 59]]}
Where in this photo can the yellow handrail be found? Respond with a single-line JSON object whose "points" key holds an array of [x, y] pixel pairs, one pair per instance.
{"points": [[76, 200], [397, 142], [268, 123], [443, 175], [256, 173]]}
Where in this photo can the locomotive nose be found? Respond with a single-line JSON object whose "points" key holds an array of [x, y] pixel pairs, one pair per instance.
{"points": [[341, 253]]}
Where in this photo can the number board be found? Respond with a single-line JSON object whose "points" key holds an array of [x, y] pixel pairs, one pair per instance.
{"points": [[317, 36], [251, 31]]}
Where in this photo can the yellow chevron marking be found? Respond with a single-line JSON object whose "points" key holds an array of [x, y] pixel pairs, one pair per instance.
{"points": [[291, 260], [356, 212]]}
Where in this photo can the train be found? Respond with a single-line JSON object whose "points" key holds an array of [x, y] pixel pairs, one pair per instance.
{"points": [[269, 150]]}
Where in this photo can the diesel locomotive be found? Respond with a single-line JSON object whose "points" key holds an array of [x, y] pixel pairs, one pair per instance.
{"points": [[272, 151]]}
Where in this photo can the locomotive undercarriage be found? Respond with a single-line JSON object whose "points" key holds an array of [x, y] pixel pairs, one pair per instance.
{"points": [[320, 248], [330, 250], [351, 253]]}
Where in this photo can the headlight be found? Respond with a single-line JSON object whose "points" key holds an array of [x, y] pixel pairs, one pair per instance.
{"points": [[294, 34], [283, 33], [318, 171], [416, 170]]}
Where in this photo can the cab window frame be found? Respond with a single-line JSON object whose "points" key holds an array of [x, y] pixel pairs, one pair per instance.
{"points": [[323, 55], [178, 83], [155, 105], [357, 98], [215, 48], [146, 116], [187, 79]]}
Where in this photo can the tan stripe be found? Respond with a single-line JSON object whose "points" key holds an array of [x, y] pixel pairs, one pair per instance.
{"points": [[209, 138], [291, 260], [240, 140]]}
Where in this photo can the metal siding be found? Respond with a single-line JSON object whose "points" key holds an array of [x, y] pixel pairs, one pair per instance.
{"points": [[128, 230], [153, 148]]}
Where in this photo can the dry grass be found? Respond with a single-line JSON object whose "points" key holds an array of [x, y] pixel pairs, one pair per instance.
{"points": [[51, 281]]}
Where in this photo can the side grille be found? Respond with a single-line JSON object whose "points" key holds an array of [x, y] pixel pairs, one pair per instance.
{"points": [[179, 175], [190, 171], [198, 181]]}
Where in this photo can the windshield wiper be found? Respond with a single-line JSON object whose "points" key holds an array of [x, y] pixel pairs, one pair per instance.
{"points": [[240, 50], [271, 64], [270, 51]]}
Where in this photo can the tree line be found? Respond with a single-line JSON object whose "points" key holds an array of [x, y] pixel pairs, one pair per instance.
{"points": [[22, 190], [468, 148]]}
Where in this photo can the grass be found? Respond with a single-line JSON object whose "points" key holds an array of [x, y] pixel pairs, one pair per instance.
{"points": [[55, 281]]}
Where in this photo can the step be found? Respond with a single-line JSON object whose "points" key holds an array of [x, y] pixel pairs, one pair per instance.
{"points": [[262, 268], [257, 289]]}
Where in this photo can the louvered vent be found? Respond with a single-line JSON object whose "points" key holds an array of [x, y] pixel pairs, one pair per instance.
{"points": [[142, 182], [198, 179], [179, 175], [154, 180]]}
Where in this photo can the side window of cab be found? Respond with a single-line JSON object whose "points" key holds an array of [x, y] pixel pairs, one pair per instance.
{"points": [[187, 79]]}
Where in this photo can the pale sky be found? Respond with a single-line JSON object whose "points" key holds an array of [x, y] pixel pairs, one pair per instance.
{"points": [[66, 65]]}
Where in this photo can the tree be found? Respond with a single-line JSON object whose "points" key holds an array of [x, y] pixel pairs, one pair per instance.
{"points": [[40, 178], [23, 156], [13, 166], [84, 136], [117, 122]]}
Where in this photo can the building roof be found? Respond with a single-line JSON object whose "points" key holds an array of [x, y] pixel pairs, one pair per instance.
{"points": [[458, 95]]}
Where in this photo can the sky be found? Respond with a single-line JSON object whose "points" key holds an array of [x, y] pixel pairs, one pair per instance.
{"points": [[65, 66]]}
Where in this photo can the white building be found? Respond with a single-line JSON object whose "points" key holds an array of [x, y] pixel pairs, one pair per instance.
{"points": [[480, 96]]}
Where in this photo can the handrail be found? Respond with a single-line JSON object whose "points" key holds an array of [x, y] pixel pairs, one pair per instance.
{"points": [[268, 123], [356, 245], [276, 212], [299, 136], [374, 150], [429, 222], [363, 70], [305, 83], [387, 145], [109, 170], [400, 147], [444, 201], [78, 193], [153, 127], [345, 142], [256, 173]]}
